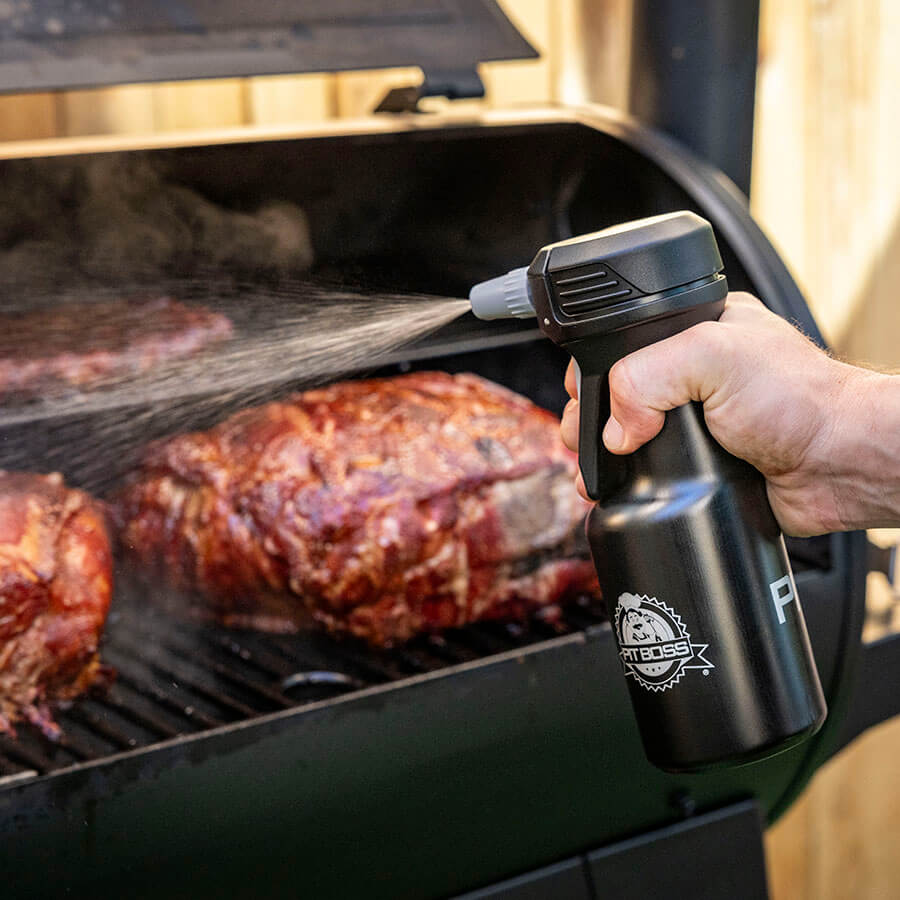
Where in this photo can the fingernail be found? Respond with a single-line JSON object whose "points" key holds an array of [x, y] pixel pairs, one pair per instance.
{"points": [[613, 435]]}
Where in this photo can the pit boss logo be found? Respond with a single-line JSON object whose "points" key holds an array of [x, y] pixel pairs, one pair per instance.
{"points": [[654, 645]]}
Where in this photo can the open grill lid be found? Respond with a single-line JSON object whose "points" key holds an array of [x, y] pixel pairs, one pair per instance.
{"points": [[47, 44]]}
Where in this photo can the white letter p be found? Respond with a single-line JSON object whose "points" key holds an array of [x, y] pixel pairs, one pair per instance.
{"points": [[782, 594]]}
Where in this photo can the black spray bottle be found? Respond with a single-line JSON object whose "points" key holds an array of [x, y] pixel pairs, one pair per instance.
{"points": [[689, 555]]}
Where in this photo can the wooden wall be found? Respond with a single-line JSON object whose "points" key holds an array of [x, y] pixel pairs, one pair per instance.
{"points": [[826, 187], [826, 181]]}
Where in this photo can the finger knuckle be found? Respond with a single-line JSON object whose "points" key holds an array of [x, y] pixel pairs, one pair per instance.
{"points": [[711, 337], [743, 298], [622, 377]]}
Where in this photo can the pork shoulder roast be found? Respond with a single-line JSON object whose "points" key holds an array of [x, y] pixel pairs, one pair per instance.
{"points": [[383, 508]]}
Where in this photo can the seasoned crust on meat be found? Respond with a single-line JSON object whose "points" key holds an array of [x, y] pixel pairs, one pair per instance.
{"points": [[383, 508], [55, 588]]}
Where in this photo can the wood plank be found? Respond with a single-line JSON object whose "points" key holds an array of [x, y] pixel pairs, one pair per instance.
{"points": [[855, 828], [778, 187], [787, 853], [281, 99], [127, 109], [826, 184], [840, 840], [25, 117], [221, 102], [605, 27], [515, 82]]}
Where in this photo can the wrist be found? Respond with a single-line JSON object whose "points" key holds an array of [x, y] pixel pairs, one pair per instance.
{"points": [[861, 455]]}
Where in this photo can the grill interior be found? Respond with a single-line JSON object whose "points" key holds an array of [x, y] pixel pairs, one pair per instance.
{"points": [[174, 678]]}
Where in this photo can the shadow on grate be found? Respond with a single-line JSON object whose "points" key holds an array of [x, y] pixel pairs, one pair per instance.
{"points": [[175, 678]]}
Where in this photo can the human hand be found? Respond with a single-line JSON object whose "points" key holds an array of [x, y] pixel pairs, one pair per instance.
{"points": [[771, 397]]}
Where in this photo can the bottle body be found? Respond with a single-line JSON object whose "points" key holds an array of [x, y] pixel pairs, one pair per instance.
{"points": [[703, 603]]}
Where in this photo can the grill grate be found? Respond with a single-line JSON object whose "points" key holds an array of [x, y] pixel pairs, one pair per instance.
{"points": [[177, 679]]}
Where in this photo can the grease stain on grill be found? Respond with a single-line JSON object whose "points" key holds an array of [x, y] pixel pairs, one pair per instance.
{"points": [[176, 678]]}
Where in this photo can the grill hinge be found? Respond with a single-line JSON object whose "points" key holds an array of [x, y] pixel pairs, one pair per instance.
{"points": [[454, 84]]}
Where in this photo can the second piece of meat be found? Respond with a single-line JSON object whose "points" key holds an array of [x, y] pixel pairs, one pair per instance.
{"points": [[55, 588], [383, 508]]}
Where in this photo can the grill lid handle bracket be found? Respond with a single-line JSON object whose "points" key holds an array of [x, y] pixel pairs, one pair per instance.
{"points": [[454, 84]]}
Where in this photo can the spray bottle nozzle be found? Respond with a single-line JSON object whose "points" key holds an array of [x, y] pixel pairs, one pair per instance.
{"points": [[594, 284], [503, 297]]}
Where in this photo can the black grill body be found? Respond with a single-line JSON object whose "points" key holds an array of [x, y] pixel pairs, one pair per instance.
{"points": [[236, 764]]}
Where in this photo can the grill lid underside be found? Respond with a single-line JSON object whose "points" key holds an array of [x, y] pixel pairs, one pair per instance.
{"points": [[55, 44]]}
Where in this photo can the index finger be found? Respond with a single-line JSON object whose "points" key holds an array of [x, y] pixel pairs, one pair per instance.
{"points": [[571, 380]]}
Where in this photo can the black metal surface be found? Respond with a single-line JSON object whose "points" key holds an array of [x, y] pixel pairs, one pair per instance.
{"points": [[175, 678], [875, 696], [694, 76], [710, 856], [713, 856], [48, 44], [490, 764], [568, 880]]}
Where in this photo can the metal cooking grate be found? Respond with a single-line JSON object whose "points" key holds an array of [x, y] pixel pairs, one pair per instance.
{"points": [[176, 679]]}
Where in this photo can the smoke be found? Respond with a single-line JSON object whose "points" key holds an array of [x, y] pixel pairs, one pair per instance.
{"points": [[115, 219]]}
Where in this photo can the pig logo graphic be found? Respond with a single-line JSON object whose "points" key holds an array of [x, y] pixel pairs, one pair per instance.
{"points": [[654, 645]]}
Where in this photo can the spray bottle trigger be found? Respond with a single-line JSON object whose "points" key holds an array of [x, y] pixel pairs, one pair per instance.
{"points": [[600, 469], [593, 415]]}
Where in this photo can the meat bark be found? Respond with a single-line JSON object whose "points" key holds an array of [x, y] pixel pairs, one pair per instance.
{"points": [[382, 508], [55, 588]]}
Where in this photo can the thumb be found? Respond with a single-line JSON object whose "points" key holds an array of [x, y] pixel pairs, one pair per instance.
{"points": [[645, 384]]}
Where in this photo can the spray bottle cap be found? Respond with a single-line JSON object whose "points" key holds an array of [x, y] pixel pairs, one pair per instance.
{"points": [[503, 297]]}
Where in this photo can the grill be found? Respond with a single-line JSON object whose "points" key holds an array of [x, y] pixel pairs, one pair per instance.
{"points": [[174, 679], [500, 759]]}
